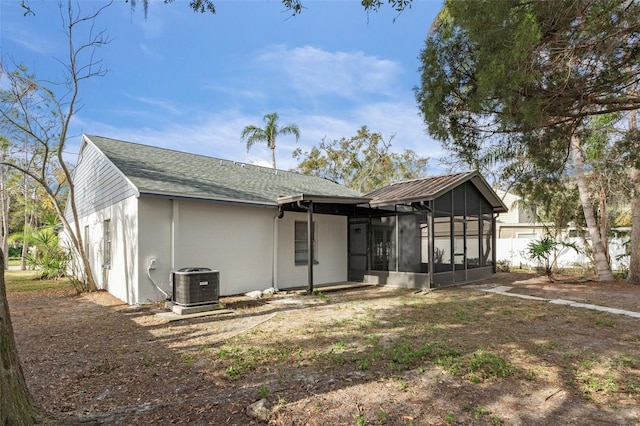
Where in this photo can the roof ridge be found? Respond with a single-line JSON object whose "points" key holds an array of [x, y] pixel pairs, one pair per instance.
{"points": [[432, 177]]}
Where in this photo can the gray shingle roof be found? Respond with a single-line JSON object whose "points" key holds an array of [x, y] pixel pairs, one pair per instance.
{"points": [[159, 171]]}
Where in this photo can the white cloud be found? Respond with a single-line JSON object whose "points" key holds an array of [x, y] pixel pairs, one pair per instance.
{"points": [[156, 103], [33, 40], [364, 80], [233, 92], [150, 53], [314, 71], [218, 135]]}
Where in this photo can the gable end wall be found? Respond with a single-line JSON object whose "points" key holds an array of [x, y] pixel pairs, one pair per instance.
{"points": [[98, 183]]}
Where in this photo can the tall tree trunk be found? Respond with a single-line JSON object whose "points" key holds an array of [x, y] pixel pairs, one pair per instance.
{"points": [[273, 156], [602, 211], [25, 245], [16, 404], [4, 211], [634, 259], [603, 269], [634, 244]]}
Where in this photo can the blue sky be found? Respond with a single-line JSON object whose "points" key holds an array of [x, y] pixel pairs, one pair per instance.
{"points": [[191, 82]]}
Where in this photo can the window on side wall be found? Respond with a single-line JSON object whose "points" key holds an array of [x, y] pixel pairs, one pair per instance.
{"points": [[86, 241], [300, 243], [106, 249]]}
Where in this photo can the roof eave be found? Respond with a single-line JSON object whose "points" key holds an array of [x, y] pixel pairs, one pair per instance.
{"points": [[326, 199], [170, 195], [383, 203]]}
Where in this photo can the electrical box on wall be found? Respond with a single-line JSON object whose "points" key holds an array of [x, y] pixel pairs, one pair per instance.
{"points": [[153, 263]]}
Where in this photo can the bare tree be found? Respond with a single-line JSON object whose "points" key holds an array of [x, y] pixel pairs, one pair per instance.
{"points": [[39, 117]]}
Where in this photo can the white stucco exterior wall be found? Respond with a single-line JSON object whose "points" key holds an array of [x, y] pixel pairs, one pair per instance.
{"points": [[236, 240], [154, 228], [120, 278], [331, 235], [233, 239]]}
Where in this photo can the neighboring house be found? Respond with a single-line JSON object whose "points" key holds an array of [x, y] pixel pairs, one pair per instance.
{"points": [[520, 221], [148, 211], [517, 228]]}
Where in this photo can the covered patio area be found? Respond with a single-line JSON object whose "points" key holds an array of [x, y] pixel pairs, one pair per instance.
{"points": [[423, 233]]}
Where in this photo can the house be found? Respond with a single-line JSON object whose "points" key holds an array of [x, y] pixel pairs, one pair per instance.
{"points": [[147, 211], [520, 221]]}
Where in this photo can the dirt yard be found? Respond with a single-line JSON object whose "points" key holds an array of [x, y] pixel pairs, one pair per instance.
{"points": [[366, 356]]}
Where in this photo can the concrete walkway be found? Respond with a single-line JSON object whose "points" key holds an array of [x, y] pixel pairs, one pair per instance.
{"points": [[504, 291]]}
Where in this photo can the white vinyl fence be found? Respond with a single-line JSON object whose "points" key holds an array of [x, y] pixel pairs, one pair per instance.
{"points": [[514, 250]]}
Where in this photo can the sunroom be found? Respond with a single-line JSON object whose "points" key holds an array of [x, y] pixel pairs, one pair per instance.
{"points": [[422, 233]]}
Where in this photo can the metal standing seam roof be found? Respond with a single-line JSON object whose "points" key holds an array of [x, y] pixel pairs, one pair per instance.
{"points": [[163, 172], [427, 189]]}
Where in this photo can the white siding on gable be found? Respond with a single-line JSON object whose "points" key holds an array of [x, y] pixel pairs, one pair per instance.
{"points": [[98, 182]]}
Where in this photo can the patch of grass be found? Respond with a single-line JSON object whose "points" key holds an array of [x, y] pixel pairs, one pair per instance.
{"points": [[403, 355], [382, 416], [404, 385], [228, 352], [30, 281], [495, 420], [605, 322], [624, 361], [338, 347], [603, 376], [466, 316], [541, 348], [322, 296], [476, 367], [479, 412], [147, 361], [243, 361], [232, 372], [632, 387], [187, 359], [488, 365], [263, 391], [449, 418], [364, 364]]}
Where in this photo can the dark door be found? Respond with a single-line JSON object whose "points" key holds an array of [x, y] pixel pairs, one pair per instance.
{"points": [[358, 254], [382, 248]]}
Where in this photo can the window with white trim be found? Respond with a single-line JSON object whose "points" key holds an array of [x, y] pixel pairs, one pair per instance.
{"points": [[86, 241], [301, 247], [106, 251]]}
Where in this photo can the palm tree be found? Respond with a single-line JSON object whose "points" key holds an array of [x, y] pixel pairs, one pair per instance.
{"points": [[252, 134]]}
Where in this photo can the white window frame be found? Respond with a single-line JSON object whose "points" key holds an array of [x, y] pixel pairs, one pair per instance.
{"points": [[106, 249]]}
